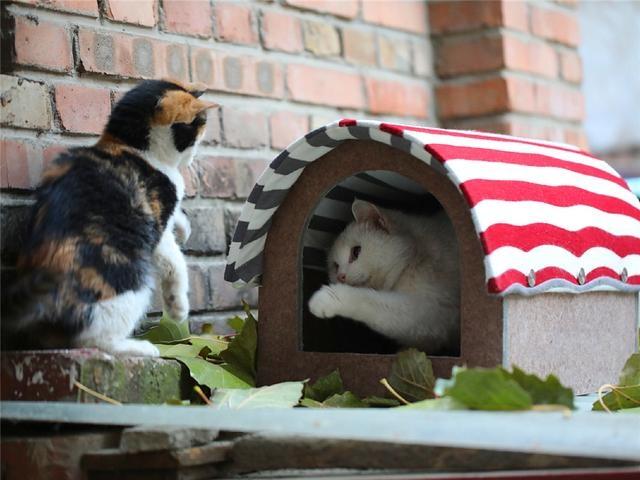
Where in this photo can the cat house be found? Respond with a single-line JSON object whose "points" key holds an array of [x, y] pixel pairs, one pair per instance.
{"points": [[548, 240]]}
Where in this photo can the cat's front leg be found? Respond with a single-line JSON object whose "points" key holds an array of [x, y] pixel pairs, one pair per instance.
{"points": [[181, 226], [174, 277]]}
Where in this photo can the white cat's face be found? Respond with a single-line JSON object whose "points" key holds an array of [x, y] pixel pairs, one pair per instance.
{"points": [[367, 250]]}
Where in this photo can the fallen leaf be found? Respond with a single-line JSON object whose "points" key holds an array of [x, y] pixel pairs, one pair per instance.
{"points": [[543, 392], [212, 375], [181, 350], [324, 387], [241, 351], [167, 331], [444, 403], [280, 395], [412, 375]]}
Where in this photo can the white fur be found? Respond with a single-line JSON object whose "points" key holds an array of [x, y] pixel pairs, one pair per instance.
{"points": [[113, 321], [405, 282], [174, 277]]}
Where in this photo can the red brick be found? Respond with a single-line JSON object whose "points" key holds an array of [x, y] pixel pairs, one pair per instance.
{"points": [[82, 109], [408, 15], [20, 164], [339, 8], [553, 100], [50, 153], [325, 86], [287, 127], [188, 17], [456, 56], [447, 16], [245, 74], [577, 137], [248, 170], [359, 46], [560, 26], [320, 38], [394, 53], [130, 56], [14, 164], [397, 98], [42, 44], [530, 56], [571, 66], [140, 12], [281, 32], [191, 184], [213, 133], [469, 99], [85, 7], [244, 128], [234, 23], [217, 176]]}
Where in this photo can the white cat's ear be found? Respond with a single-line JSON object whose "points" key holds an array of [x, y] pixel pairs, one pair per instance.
{"points": [[365, 212]]}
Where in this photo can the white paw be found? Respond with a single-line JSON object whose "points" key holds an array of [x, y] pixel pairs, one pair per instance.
{"points": [[325, 302], [177, 306], [132, 347], [182, 230]]}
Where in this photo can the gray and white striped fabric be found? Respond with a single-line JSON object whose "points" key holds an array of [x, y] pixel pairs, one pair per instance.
{"points": [[244, 261]]}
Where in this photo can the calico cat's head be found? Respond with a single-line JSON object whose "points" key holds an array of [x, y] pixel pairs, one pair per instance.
{"points": [[164, 118], [371, 250]]}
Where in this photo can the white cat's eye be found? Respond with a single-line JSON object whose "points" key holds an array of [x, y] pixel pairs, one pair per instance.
{"points": [[355, 253]]}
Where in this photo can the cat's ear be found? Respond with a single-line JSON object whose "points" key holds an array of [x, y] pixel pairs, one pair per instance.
{"points": [[178, 106], [365, 212]]}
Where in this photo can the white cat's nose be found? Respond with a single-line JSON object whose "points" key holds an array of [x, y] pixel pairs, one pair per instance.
{"points": [[342, 277]]}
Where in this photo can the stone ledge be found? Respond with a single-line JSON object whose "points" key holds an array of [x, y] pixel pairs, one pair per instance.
{"points": [[49, 375]]}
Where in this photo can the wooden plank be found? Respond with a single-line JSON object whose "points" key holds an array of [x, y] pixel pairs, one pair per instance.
{"points": [[582, 434]]}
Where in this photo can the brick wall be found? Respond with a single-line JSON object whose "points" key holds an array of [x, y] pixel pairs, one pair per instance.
{"points": [[278, 68], [509, 67]]}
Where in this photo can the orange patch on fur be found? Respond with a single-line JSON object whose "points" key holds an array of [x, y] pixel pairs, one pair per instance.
{"points": [[91, 279], [178, 106], [113, 256], [54, 171], [58, 256], [112, 145]]}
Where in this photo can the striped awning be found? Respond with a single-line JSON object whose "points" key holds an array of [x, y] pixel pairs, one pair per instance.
{"points": [[549, 216]]}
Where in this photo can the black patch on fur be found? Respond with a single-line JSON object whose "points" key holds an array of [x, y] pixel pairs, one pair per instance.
{"points": [[185, 135]]}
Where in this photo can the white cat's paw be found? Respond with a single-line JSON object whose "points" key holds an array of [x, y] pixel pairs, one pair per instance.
{"points": [[324, 303], [130, 346], [177, 306], [182, 229]]}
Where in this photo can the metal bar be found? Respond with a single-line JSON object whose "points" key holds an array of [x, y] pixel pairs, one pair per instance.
{"points": [[584, 434]]}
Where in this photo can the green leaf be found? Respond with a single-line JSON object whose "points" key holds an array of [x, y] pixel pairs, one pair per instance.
{"points": [[167, 331], [412, 375], [324, 387], [215, 344], [486, 389], [380, 402], [620, 398], [344, 400], [236, 323], [241, 351], [280, 395], [239, 373], [212, 375], [444, 403], [631, 371], [180, 350], [543, 392], [309, 403], [635, 410]]}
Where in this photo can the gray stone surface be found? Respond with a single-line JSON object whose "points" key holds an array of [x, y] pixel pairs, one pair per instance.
{"points": [[146, 439]]}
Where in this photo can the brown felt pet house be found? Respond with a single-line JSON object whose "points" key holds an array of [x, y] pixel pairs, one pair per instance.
{"points": [[548, 241]]}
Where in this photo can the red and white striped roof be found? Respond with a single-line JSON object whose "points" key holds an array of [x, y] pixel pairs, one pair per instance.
{"points": [[549, 216]]}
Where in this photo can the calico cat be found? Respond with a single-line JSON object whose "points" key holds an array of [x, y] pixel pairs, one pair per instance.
{"points": [[398, 274], [103, 224]]}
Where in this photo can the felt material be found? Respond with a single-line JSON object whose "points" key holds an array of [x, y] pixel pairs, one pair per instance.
{"points": [[549, 216]]}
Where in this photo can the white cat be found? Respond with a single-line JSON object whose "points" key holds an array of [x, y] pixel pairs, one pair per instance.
{"points": [[398, 274]]}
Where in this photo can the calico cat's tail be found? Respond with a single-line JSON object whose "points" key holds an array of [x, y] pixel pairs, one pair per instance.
{"points": [[26, 301]]}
